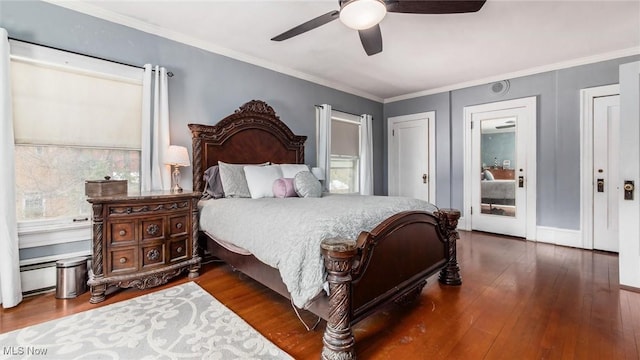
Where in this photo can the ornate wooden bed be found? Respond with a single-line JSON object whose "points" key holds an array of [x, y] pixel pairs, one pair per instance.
{"points": [[360, 272]]}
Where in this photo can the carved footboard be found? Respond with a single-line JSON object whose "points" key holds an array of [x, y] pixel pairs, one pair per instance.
{"points": [[391, 263]]}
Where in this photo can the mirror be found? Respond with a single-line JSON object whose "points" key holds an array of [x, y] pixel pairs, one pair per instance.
{"points": [[498, 154]]}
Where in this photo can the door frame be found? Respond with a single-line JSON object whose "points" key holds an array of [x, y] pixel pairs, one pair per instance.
{"points": [[629, 210], [431, 117], [530, 104], [586, 157]]}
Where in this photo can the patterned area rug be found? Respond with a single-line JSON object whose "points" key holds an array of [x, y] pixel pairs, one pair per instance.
{"points": [[182, 322]]}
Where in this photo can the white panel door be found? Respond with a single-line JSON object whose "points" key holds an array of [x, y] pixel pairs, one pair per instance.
{"points": [[499, 193], [629, 210], [500, 167], [606, 132], [410, 164]]}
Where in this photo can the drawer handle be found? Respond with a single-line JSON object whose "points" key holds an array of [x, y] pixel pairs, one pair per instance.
{"points": [[153, 229], [179, 249], [123, 260], [122, 233], [153, 254], [179, 226]]}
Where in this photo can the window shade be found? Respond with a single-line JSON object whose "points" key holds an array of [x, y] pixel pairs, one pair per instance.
{"points": [[345, 138], [59, 106]]}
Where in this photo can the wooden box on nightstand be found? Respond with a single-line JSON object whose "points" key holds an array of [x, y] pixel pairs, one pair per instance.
{"points": [[143, 240]]}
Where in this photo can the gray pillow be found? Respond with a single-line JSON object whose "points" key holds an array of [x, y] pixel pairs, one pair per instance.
{"points": [[212, 184], [307, 185], [234, 182]]}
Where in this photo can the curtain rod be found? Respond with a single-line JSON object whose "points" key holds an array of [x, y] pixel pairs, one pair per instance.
{"points": [[346, 112], [169, 73]]}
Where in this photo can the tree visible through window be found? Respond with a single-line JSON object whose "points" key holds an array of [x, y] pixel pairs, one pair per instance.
{"points": [[75, 119]]}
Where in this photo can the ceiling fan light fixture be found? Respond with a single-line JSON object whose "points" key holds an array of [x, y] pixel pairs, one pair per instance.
{"points": [[362, 14]]}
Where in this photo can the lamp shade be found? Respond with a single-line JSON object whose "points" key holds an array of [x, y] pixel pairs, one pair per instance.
{"points": [[177, 156], [362, 14]]}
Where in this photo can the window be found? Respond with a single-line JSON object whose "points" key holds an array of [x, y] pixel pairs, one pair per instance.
{"points": [[345, 153], [75, 119]]}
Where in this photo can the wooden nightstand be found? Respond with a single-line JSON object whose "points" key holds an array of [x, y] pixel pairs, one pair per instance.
{"points": [[143, 240]]}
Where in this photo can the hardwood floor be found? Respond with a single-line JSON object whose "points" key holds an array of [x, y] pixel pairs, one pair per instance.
{"points": [[519, 299]]}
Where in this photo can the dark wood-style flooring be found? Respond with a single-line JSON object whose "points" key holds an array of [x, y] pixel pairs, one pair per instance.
{"points": [[519, 300]]}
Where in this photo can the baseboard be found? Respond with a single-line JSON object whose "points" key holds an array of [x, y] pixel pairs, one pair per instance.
{"points": [[557, 236]]}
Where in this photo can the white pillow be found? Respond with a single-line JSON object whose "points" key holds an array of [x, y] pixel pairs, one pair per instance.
{"points": [[260, 180], [290, 170]]}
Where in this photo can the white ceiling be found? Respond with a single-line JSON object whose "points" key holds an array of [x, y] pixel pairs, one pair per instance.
{"points": [[422, 53]]}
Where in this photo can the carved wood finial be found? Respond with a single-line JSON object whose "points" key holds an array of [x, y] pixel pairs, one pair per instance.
{"points": [[338, 340], [450, 274], [257, 106]]}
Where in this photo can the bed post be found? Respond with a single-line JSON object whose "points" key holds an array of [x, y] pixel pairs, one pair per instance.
{"points": [[450, 274], [338, 340]]}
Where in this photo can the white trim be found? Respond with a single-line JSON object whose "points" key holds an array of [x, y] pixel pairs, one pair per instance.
{"points": [[586, 158], [44, 234], [431, 117], [557, 236], [526, 72], [629, 210], [530, 103], [185, 39]]}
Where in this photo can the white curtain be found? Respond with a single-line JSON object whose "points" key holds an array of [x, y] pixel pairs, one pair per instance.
{"points": [[366, 155], [10, 287], [323, 141], [155, 129]]}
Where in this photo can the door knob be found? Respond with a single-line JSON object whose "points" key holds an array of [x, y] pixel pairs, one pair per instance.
{"points": [[600, 185], [425, 178], [521, 181]]}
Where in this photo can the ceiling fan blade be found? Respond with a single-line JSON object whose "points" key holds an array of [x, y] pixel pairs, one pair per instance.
{"points": [[371, 40], [309, 25], [434, 6]]}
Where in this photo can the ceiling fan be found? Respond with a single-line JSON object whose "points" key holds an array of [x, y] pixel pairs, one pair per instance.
{"points": [[365, 15]]}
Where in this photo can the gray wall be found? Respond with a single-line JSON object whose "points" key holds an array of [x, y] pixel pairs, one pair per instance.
{"points": [[558, 139], [206, 86]]}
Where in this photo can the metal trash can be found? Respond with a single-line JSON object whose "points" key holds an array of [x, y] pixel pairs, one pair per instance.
{"points": [[71, 277]]}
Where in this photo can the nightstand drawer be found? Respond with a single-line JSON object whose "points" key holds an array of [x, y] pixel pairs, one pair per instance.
{"points": [[122, 260], [152, 229], [179, 225], [143, 240], [152, 255], [122, 232], [179, 249]]}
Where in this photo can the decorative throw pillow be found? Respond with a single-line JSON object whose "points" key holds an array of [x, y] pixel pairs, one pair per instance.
{"points": [[307, 185], [233, 179], [283, 188], [260, 179], [212, 183], [290, 170]]}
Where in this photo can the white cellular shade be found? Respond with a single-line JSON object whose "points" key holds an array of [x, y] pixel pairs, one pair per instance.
{"points": [[345, 138], [59, 106]]}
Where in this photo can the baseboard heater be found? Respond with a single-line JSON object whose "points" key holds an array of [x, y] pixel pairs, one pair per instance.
{"points": [[39, 275]]}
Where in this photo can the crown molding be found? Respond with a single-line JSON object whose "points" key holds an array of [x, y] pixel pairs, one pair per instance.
{"points": [[113, 17], [531, 71]]}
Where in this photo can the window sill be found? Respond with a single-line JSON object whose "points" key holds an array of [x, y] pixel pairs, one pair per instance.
{"points": [[44, 233]]}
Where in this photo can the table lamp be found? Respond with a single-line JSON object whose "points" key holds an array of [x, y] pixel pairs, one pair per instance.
{"points": [[176, 156]]}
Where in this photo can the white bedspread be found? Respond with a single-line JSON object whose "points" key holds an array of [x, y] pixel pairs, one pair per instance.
{"points": [[286, 233]]}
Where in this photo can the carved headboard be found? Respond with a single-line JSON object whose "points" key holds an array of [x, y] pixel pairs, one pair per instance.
{"points": [[252, 134]]}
